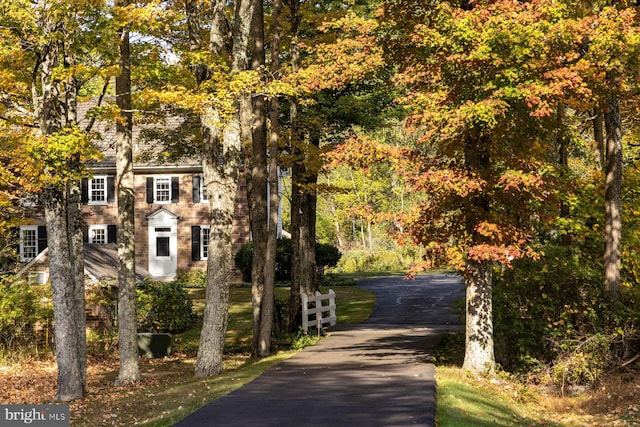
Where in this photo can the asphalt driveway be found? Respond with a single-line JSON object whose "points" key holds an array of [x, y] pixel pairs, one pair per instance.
{"points": [[374, 374]]}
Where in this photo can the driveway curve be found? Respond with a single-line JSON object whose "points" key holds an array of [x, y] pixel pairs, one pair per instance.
{"points": [[378, 373]]}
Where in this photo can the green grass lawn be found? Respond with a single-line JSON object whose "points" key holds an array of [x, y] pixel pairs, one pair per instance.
{"points": [[464, 401]]}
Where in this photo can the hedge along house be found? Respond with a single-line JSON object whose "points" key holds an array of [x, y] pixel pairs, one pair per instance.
{"points": [[171, 209]]}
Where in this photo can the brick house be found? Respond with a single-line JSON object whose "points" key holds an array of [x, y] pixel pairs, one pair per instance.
{"points": [[171, 216]]}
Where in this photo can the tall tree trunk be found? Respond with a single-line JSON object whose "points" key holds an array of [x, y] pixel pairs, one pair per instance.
{"points": [[613, 199], [303, 223], [296, 141], [77, 259], [479, 347], [262, 290], [257, 185], [478, 354], [222, 157], [68, 315], [267, 312], [74, 194], [62, 215], [129, 371], [221, 165]]}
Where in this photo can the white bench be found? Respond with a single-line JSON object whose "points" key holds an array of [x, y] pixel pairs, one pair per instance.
{"points": [[324, 303]]}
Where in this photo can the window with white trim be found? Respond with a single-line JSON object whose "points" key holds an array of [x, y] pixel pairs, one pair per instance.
{"points": [[98, 190], [98, 234], [204, 242], [37, 277], [204, 197], [28, 243], [162, 190]]}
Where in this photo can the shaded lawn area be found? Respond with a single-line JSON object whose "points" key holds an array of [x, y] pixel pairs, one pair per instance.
{"points": [[168, 390]]}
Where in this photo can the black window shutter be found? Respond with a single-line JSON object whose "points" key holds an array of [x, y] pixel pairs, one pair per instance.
{"points": [[150, 190], [42, 238], [195, 243], [112, 234], [111, 189], [196, 189], [175, 189], [85, 234], [84, 185]]}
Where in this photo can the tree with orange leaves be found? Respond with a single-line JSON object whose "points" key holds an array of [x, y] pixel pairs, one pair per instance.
{"points": [[484, 83]]}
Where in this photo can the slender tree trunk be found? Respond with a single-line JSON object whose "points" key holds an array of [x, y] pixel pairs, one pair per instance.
{"points": [[74, 223], [295, 142], [264, 259], [303, 223], [613, 199], [336, 223], [257, 188], [259, 219], [598, 136], [222, 157], [267, 312], [563, 155], [129, 371]]}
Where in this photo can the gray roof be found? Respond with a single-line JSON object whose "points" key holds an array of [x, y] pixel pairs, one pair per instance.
{"points": [[101, 261], [157, 137]]}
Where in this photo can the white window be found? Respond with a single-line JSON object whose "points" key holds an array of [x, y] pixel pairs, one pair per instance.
{"points": [[204, 242], [204, 197], [28, 243], [29, 201], [162, 190], [98, 190], [37, 277], [98, 234]]}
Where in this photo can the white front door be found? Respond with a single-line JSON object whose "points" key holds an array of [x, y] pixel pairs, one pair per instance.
{"points": [[163, 247]]}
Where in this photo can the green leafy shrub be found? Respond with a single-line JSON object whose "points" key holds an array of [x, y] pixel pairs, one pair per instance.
{"points": [[538, 305], [333, 280], [304, 339], [581, 362], [192, 279], [243, 261], [398, 259], [326, 256], [25, 311], [101, 303], [164, 307], [551, 315]]}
